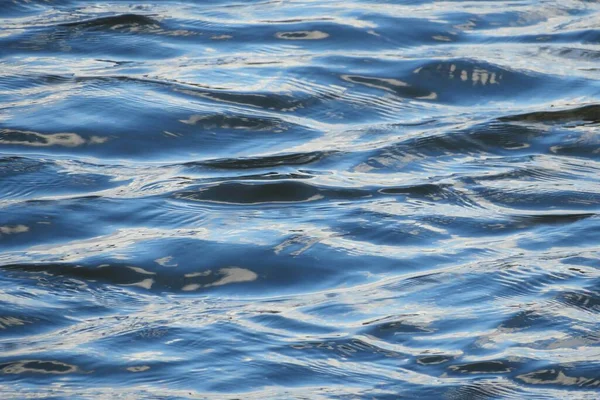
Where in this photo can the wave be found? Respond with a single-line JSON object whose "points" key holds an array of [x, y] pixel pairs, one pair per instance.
{"points": [[299, 199]]}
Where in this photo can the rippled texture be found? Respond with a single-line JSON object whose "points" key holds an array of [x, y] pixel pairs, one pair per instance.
{"points": [[299, 199]]}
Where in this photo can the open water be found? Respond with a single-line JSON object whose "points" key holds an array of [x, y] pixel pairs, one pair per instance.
{"points": [[299, 199]]}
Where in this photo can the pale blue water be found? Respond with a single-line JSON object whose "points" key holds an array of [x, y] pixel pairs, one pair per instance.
{"points": [[299, 199]]}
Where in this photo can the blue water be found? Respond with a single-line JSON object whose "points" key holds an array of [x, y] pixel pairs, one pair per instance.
{"points": [[299, 199]]}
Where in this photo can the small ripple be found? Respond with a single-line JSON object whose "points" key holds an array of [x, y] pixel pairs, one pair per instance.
{"points": [[302, 35], [129, 21], [277, 192], [38, 367], [263, 161], [585, 114]]}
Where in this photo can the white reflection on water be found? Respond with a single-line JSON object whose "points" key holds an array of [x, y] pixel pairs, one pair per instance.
{"points": [[229, 275], [13, 229], [302, 35], [35, 139]]}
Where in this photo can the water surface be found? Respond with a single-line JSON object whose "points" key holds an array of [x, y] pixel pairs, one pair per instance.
{"points": [[299, 199]]}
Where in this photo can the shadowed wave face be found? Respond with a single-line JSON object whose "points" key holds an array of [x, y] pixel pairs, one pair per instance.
{"points": [[299, 199]]}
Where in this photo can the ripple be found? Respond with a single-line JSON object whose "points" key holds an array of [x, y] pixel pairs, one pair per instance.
{"points": [[264, 161], [28, 138], [39, 367], [278, 192], [302, 35], [113, 22], [589, 114], [300, 199]]}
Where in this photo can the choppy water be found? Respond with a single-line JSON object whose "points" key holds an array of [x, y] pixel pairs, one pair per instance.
{"points": [[299, 199]]}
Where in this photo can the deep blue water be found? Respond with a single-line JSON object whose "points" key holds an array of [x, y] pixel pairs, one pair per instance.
{"points": [[299, 199]]}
